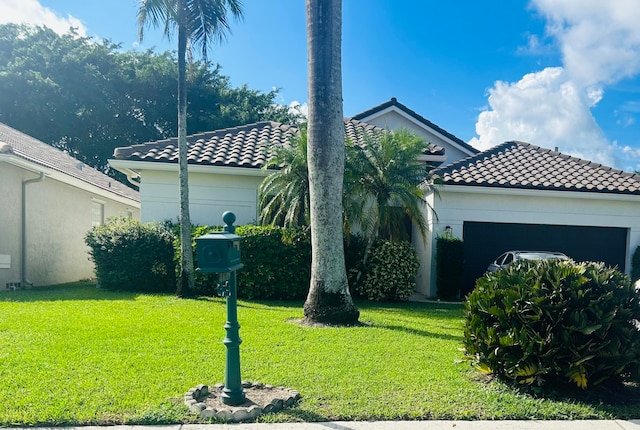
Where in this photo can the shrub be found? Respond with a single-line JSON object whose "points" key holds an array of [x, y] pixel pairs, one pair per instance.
{"points": [[449, 266], [130, 256], [554, 320], [277, 263], [390, 272]]}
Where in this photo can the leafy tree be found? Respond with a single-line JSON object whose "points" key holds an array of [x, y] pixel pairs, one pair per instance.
{"points": [[284, 195], [329, 300], [87, 97]]}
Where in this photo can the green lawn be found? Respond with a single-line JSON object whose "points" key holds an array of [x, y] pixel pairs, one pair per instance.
{"points": [[74, 354]]}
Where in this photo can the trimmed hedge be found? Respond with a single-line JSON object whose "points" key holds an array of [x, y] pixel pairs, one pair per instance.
{"points": [[552, 321], [449, 266], [130, 256]]}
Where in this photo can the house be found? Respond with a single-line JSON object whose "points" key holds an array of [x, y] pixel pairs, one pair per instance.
{"points": [[50, 200], [225, 170], [514, 196]]}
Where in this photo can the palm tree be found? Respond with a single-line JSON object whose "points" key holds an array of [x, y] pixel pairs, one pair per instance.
{"points": [[198, 22], [284, 194], [387, 183], [328, 300]]}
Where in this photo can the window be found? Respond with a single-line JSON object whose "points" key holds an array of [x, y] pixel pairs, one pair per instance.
{"points": [[97, 213]]}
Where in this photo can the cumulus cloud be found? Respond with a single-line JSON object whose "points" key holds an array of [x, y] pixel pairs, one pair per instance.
{"points": [[32, 12], [296, 107], [600, 45]]}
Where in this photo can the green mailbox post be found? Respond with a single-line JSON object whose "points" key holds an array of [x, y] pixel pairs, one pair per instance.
{"points": [[219, 252]]}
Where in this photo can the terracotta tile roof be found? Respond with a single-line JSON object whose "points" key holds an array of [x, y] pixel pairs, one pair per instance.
{"points": [[418, 117], [38, 152], [242, 146], [525, 166]]}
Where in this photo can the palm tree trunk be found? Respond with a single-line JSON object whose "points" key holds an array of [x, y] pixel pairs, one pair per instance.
{"points": [[186, 279], [329, 300]]}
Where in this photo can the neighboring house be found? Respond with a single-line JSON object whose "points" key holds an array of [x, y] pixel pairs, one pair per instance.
{"points": [[513, 196], [49, 201]]}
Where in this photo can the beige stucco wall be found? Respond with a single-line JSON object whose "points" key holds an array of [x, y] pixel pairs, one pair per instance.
{"points": [[58, 217], [459, 204], [210, 195]]}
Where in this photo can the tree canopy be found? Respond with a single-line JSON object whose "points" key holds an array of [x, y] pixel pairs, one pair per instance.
{"points": [[88, 97]]}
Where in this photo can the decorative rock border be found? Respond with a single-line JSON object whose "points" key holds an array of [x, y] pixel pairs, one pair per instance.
{"points": [[261, 399]]}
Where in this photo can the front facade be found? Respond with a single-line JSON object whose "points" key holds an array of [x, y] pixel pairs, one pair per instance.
{"points": [[50, 201], [515, 196]]}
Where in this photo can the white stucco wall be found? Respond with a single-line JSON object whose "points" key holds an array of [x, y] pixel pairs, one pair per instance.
{"points": [[210, 195], [58, 216], [459, 204], [394, 120]]}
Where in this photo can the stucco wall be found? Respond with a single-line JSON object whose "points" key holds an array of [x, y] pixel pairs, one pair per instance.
{"points": [[210, 195], [10, 208], [393, 120], [58, 217], [457, 205]]}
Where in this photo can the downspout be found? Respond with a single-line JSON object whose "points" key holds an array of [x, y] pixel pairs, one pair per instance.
{"points": [[23, 253]]}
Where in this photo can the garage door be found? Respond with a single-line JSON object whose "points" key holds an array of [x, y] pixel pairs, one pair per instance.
{"points": [[484, 241]]}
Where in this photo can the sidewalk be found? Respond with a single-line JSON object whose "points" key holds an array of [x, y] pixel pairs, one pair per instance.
{"points": [[388, 425]]}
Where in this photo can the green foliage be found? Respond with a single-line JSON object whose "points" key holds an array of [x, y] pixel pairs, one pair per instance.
{"points": [[554, 321], [88, 97], [130, 256], [390, 272], [385, 182], [277, 263], [449, 266], [284, 194], [635, 265]]}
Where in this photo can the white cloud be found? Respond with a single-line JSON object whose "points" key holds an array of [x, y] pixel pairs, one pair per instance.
{"points": [[546, 109], [600, 45], [296, 107], [32, 12]]}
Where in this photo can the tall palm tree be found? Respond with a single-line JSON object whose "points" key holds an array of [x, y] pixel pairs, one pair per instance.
{"points": [[284, 194], [386, 184], [328, 300], [198, 22]]}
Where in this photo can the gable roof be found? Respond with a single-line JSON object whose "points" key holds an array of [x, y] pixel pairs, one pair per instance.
{"points": [[395, 103], [242, 146], [524, 166], [25, 147]]}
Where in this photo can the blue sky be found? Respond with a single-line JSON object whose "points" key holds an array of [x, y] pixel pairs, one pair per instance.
{"points": [[555, 73]]}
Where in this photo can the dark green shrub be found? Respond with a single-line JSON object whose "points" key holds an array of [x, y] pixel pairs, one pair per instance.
{"points": [[390, 272], [554, 321], [635, 265], [277, 263], [449, 266], [354, 249], [130, 256]]}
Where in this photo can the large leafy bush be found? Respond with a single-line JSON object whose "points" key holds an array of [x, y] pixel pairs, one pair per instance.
{"points": [[554, 321], [130, 256], [390, 272]]}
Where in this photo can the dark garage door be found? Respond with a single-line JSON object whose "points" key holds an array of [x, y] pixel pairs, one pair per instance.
{"points": [[484, 241]]}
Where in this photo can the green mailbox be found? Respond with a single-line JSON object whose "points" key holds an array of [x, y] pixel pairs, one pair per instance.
{"points": [[218, 252]]}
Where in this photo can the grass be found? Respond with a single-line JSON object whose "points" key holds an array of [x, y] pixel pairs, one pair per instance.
{"points": [[74, 355]]}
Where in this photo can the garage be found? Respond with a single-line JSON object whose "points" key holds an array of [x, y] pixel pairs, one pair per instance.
{"points": [[484, 241]]}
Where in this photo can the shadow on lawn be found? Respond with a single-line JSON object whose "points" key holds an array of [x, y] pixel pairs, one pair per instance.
{"points": [[418, 332]]}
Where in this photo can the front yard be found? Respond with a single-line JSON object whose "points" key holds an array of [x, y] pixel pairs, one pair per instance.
{"points": [[74, 354]]}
